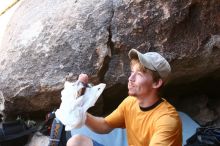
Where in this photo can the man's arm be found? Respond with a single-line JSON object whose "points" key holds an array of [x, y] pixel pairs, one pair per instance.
{"points": [[97, 124]]}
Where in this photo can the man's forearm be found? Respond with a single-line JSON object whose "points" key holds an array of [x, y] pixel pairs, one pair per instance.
{"points": [[97, 124]]}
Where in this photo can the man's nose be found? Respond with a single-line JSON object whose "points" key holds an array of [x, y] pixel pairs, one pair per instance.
{"points": [[131, 77]]}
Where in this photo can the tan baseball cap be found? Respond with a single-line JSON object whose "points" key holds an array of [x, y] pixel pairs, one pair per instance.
{"points": [[153, 61]]}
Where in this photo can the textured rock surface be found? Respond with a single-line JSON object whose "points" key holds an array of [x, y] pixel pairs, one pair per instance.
{"points": [[186, 32], [48, 41]]}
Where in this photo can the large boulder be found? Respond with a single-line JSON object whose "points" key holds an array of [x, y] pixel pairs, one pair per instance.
{"points": [[49, 41]]}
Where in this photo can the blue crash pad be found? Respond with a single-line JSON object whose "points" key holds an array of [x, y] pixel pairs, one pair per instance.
{"points": [[189, 126]]}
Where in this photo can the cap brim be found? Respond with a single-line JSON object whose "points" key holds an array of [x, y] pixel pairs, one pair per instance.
{"points": [[134, 54]]}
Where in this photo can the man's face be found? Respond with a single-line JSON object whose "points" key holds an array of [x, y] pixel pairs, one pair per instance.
{"points": [[140, 84]]}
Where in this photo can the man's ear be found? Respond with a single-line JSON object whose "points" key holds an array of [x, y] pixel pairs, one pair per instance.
{"points": [[158, 83]]}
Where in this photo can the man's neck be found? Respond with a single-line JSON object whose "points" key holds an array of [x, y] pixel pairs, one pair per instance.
{"points": [[148, 100]]}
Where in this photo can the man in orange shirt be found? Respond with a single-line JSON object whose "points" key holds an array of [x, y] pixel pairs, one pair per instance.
{"points": [[148, 118]]}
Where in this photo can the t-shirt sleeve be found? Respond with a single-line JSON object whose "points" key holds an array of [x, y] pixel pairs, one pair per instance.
{"points": [[168, 132], [116, 118]]}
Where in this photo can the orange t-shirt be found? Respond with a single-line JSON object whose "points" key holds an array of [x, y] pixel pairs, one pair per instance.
{"points": [[156, 126]]}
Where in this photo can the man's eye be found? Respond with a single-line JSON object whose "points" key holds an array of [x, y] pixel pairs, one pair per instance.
{"points": [[140, 74]]}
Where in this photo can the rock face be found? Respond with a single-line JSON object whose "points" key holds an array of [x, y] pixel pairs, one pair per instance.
{"points": [[186, 32], [48, 41]]}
